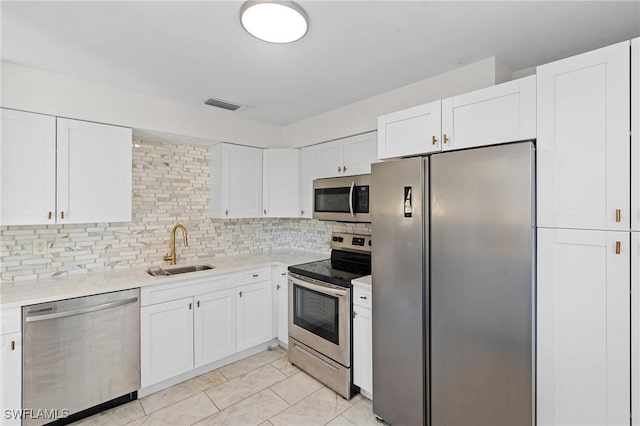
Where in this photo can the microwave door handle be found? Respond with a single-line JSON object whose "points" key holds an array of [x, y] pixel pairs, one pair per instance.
{"points": [[353, 185]]}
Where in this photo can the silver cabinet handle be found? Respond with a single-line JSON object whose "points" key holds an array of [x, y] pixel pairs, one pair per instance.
{"points": [[363, 297], [283, 274], [82, 310], [255, 275]]}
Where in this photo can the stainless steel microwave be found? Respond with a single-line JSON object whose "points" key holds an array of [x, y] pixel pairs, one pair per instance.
{"points": [[344, 199]]}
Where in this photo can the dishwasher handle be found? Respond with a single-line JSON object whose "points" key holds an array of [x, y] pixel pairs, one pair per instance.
{"points": [[81, 311]]}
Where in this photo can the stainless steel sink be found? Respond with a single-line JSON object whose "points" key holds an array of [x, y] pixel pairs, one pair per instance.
{"points": [[156, 271]]}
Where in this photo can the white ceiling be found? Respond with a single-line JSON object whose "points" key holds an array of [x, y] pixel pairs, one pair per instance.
{"points": [[190, 51]]}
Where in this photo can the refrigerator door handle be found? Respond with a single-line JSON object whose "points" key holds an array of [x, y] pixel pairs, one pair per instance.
{"points": [[353, 185]]}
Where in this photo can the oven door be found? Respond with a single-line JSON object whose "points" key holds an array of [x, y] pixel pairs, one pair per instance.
{"points": [[320, 317]]}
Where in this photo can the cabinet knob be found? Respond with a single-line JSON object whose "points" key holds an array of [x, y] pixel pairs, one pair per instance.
{"points": [[445, 138], [226, 212], [339, 169], [355, 314], [190, 306], [618, 215], [302, 212], [283, 274], [61, 215], [265, 211], [49, 215], [278, 287], [198, 304], [255, 275], [434, 140], [618, 244], [344, 168], [363, 297], [13, 345], [240, 294]]}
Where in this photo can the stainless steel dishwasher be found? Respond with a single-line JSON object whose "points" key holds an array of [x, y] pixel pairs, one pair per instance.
{"points": [[80, 355]]}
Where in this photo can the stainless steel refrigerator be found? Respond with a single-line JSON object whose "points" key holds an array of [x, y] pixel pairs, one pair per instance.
{"points": [[453, 288]]}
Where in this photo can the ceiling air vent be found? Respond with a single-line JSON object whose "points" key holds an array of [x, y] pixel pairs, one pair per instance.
{"points": [[222, 104]]}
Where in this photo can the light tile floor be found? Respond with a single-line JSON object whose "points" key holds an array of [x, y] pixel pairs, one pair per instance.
{"points": [[263, 389]]}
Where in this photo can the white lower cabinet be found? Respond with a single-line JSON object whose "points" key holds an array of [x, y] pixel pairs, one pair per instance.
{"points": [[362, 340], [10, 378], [214, 326], [583, 318], [255, 312], [281, 304], [166, 340]]}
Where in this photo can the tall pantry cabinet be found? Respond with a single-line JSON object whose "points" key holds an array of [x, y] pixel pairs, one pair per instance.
{"points": [[584, 240]]}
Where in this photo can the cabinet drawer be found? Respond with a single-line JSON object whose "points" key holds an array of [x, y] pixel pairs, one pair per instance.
{"points": [[254, 276], [10, 320], [151, 295], [362, 297]]}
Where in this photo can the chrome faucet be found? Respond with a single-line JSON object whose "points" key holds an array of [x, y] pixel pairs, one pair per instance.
{"points": [[171, 257]]}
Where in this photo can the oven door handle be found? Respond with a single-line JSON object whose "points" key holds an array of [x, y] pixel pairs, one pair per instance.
{"points": [[320, 288], [353, 185]]}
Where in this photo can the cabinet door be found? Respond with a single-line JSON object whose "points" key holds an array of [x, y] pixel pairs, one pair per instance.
{"points": [[308, 172], [166, 340], [411, 131], [583, 153], [583, 347], [243, 173], [27, 168], [214, 326], [10, 378], [635, 134], [359, 152], [497, 114], [94, 172], [362, 349], [280, 182], [255, 312], [282, 305], [329, 159]]}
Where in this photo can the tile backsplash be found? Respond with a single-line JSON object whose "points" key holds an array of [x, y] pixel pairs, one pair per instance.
{"points": [[170, 185]]}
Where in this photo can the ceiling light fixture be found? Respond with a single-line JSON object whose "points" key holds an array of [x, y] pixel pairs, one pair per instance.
{"points": [[274, 21]]}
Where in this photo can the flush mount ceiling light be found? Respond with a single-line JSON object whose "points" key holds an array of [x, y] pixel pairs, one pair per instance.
{"points": [[274, 21]]}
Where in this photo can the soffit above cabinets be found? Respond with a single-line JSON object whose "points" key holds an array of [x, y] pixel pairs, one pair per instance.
{"points": [[191, 51]]}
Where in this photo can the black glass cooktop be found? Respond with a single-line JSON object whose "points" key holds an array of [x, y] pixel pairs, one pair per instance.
{"points": [[339, 270]]}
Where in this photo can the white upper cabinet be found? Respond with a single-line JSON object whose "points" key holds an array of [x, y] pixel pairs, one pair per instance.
{"points": [[91, 162], [359, 152], [236, 182], [583, 153], [308, 173], [497, 114], [583, 318], [345, 157], [329, 159], [635, 135], [93, 172], [280, 182], [27, 168], [411, 131]]}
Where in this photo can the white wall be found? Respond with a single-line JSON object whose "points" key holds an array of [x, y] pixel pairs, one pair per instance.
{"points": [[40, 91], [361, 116], [44, 92]]}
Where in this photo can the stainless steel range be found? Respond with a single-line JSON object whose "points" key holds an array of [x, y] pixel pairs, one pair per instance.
{"points": [[320, 311]]}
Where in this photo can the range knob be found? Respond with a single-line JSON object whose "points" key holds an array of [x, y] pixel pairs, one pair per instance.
{"points": [[369, 243], [334, 239], [340, 239]]}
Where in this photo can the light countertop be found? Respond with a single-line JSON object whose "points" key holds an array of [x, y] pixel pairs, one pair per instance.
{"points": [[363, 282], [24, 293]]}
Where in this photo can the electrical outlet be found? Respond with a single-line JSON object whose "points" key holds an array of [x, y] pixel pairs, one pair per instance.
{"points": [[39, 247]]}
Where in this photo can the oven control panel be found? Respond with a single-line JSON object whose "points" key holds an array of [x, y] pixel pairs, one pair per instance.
{"points": [[353, 242]]}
